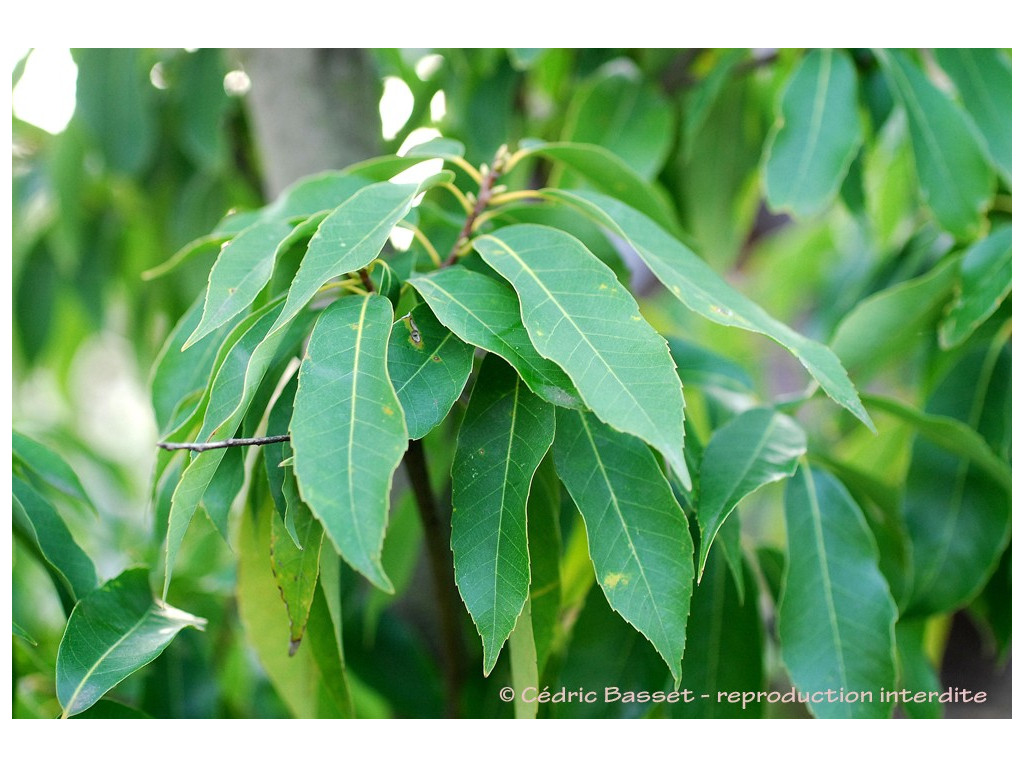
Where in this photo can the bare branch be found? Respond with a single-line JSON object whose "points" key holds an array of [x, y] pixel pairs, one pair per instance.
{"points": [[236, 442]]}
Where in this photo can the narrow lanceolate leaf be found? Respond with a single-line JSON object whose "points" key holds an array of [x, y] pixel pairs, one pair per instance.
{"points": [[485, 313], [955, 176], [505, 434], [296, 568], [638, 537], [241, 271], [429, 366], [985, 273], [114, 631], [836, 616], [958, 517], [37, 520], [816, 136], [523, 663], [725, 644], [888, 323], [983, 79], [701, 289], [347, 403], [580, 316], [757, 447], [917, 673], [952, 435], [349, 239], [44, 464]]}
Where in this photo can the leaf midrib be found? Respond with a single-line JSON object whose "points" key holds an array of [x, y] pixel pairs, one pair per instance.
{"points": [[501, 509]]}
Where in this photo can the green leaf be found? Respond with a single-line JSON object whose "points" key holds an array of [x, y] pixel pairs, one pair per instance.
{"points": [[485, 313], [890, 185], [836, 616], [917, 674], [957, 516], [610, 174], [888, 323], [724, 645], [955, 177], [952, 435], [757, 447], [985, 281], [429, 367], [350, 238], [701, 289], [503, 437], [37, 520], [400, 558], [18, 632], [296, 568], [816, 136], [620, 112], [984, 81], [579, 316], [347, 403], [113, 632], [278, 419], [241, 271], [46, 465], [441, 148], [523, 663], [638, 537], [224, 487], [704, 94]]}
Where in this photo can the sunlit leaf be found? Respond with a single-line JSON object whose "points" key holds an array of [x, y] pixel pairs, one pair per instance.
{"points": [[46, 465], [114, 631], [985, 281]]}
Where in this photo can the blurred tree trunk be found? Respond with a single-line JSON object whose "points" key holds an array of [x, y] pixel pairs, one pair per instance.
{"points": [[311, 110]]}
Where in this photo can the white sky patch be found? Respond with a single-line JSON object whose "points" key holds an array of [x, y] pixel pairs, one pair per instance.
{"points": [[438, 107], [395, 106], [428, 65], [45, 95]]}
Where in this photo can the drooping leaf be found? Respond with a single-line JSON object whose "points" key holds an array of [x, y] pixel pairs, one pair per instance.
{"points": [[325, 642], [400, 557], [350, 238], [887, 323], [578, 315], [37, 520], [724, 645], [952, 435], [278, 419], [503, 437], [702, 290], [984, 81], [639, 541], [46, 465], [758, 447], [429, 367], [610, 174], [296, 568], [985, 279], [816, 136], [955, 176], [890, 185], [704, 94], [114, 631], [957, 516], [836, 616], [224, 487], [485, 313], [346, 401]]}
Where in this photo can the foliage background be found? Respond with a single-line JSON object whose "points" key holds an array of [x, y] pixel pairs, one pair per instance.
{"points": [[160, 147]]}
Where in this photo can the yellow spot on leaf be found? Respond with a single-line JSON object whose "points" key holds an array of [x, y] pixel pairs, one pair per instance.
{"points": [[613, 580], [388, 411]]}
